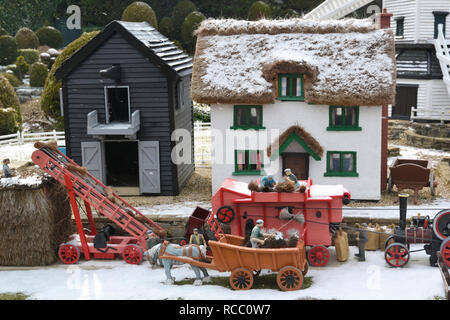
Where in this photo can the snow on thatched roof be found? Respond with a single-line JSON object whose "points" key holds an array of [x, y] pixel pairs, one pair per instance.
{"points": [[345, 62]]}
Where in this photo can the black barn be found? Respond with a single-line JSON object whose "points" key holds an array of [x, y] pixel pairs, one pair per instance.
{"points": [[123, 94]]}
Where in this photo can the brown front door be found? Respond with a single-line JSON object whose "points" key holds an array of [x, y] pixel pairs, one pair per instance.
{"points": [[298, 163]]}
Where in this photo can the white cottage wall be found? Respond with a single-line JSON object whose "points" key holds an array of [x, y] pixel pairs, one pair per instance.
{"points": [[315, 120]]}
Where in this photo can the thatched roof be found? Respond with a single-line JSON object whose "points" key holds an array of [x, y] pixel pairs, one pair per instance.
{"points": [[345, 62], [309, 142]]}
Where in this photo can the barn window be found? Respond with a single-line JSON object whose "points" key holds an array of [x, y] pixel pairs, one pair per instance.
{"points": [[344, 119], [341, 164], [248, 117], [117, 104], [440, 17], [399, 26], [248, 162], [290, 87]]}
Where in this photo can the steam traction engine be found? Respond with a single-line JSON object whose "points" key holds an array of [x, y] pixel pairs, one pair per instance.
{"points": [[434, 233], [320, 207]]}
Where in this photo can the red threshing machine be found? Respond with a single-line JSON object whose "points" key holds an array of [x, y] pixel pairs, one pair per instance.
{"points": [[101, 244], [321, 206]]}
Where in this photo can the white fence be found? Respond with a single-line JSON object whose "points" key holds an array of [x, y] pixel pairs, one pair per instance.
{"points": [[27, 137], [202, 141]]}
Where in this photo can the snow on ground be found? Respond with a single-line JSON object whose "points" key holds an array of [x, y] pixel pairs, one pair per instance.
{"points": [[177, 209], [408, 152], [95, 279]]}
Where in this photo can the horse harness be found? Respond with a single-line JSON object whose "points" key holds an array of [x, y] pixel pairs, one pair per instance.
{"points": [[187, 251]]}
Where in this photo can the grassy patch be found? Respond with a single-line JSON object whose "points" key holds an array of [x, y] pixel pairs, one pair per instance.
{"points": [[268, 281], [13, 296]]}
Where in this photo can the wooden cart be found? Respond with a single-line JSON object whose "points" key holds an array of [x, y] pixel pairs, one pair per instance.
{"points": [[230, 255], [411, 174]]}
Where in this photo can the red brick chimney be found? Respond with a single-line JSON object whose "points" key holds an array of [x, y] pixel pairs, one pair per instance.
{"points": [[384, 22]]}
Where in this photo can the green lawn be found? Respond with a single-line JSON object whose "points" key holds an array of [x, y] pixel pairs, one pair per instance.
{"points": [[13, 296]]}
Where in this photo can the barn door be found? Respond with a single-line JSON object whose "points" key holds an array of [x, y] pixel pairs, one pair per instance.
{"points": [[149, 171], [405, 99], [93, 159]]}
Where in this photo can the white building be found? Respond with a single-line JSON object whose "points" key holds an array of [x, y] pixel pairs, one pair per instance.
{"points": [[311, 91], [420, 84]]}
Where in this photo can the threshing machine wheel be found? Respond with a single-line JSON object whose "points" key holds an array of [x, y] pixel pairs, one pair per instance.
{"points": [[132, 254], [318, 256], [241, 279], [183, 242], [69, 253], [225, 214], [289, 279], [445, 251], [396, 255], [441, 224]]}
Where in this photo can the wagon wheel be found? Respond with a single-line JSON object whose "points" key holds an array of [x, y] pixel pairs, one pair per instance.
{"points": [[389, 240], [305, 269], [432, 184], [396, 255], [132, 254], [318, 256], [445, 251], [289, 279], [241, 279], [225, 214], [390, 185], [69, 254]]}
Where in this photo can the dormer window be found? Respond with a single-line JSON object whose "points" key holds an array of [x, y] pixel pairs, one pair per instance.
{"points": [[440, 17], [290, 87], [399, 26]]}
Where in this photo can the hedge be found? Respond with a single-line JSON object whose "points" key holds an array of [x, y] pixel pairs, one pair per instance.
{"points": [[138, 12], [191, 23], [13, 80], [8, 50], [166, 27], [49, 36], [26, 39], [180, 12], [9, 101], [38, 74], [31, 55], [259, 10], [50, 95]]}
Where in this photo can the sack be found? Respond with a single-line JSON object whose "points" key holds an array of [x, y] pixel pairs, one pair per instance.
{"points": [[373, 239], [341, 245], [387, 231]]}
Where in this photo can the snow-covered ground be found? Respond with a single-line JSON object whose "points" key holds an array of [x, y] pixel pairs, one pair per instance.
{"points": [[95, 279], [178, 209]]}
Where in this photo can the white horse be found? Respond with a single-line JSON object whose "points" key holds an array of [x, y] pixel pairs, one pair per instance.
{"points": [[175, 250]]}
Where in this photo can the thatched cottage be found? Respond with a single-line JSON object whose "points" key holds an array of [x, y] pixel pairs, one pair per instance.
{"points": [[295, 93]]}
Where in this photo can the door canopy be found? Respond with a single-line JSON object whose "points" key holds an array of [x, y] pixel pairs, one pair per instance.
{"points": [[298, 134]]}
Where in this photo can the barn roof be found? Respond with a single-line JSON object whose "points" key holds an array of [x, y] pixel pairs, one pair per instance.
{"points": [[345, 62], [152, 44]]}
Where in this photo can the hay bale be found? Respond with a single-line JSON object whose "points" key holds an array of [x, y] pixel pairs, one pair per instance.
{"points": [[285, 186], [35, 218], [253, 186]]}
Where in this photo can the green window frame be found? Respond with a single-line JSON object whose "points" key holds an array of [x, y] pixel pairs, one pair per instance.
{"points": [[292, 84], [346, 124], [247, 168], [336, 165], [399, 26], [440, 17], [247, 110]]}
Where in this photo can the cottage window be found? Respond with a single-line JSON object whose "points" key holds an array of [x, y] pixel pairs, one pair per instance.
{"points": [[399, 26], [344, 119], [117, 104], [248, 117], [248, 162], [290, 87], [341, 164], [440, 17]]}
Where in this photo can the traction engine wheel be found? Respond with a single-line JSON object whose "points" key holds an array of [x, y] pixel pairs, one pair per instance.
{"points": [[132, 254], [389, 240], [318, 256], [289, 279], [241, 279], [396, 255], [445, 251], [69, 254], [225, 214], [441, 224]]}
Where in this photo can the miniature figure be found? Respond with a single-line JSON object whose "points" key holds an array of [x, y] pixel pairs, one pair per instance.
{"points": [[362, 240], [257, 237], [197, 238], [289, 175], [6, 170], [268, 183]]}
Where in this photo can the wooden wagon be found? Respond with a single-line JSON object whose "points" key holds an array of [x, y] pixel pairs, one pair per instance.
{"points": [[411, 174], [230, 255]]}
